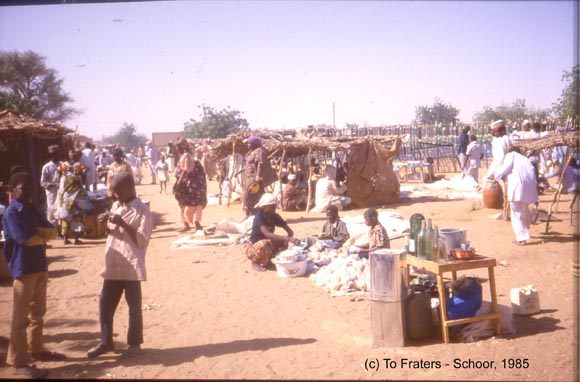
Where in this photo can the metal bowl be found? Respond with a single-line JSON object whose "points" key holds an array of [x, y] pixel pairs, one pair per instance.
{"points": [[463, 254]]}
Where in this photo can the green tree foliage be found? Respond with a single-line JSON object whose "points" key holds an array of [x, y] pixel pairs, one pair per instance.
{"points": [[439, 112], [567, 105], [517, 111], [30, 88], [127, 136], [215, 124]]}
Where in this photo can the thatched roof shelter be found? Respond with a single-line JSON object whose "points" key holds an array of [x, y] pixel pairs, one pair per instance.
{"points": [[24, 141], [371, 180], [567, 138], [294, 146], [13, 124]]}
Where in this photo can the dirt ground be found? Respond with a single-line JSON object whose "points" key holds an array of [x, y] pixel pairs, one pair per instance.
{"points": [[207, 315]]}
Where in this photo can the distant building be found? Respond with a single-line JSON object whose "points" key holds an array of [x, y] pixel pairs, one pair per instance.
{"points": [[161, 139]]}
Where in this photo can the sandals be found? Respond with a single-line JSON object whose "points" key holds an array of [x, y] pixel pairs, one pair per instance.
{"points": [[185, 228], [258, 268], [47, 356], [30, 371], [520, 243]]}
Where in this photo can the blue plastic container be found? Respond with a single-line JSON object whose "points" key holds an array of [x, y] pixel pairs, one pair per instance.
{"points": [[464, 303]]}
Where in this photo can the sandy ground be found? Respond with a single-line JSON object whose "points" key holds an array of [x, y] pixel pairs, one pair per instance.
{"points": [[207, 315]]}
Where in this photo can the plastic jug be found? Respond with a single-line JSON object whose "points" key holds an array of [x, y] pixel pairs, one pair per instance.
{"points": [[525, 301]]}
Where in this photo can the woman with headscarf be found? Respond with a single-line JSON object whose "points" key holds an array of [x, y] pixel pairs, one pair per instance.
{"points": [[72, 198], [328, 193], [258, 174], [264, 243], [190, 188]]}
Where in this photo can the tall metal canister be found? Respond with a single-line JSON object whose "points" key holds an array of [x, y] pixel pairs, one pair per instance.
{"points": [[388, 292]]}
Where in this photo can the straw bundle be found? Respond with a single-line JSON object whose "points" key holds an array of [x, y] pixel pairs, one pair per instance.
{"points": [[568, 138]]}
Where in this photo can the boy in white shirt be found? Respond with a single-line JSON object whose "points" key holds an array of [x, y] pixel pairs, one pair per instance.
{"points": [[474, 155], [129, 224]]}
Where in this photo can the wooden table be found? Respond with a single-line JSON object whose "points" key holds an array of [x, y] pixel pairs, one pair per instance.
{"points": [[439, 268]]}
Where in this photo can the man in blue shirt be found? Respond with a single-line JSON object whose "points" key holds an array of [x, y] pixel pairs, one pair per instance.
{"points": [[462, 147], [26, 231]]}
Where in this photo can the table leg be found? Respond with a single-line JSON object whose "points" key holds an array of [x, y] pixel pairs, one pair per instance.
{"points": [[494, 307], [454, 275], [443, 307]]}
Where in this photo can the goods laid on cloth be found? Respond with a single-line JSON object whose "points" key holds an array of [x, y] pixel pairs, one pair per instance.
{"points": [[226, 232], [344, 274], [455, 188], [199, 239]]}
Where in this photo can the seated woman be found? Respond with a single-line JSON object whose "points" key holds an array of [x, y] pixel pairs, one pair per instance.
{"points": [[293, 197], [264, 242], [328, 193]]}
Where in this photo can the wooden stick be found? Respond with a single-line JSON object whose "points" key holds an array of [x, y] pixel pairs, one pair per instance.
{"points": [[280, 178], [232, 172], [558, 192], [309, 181], [561, 184]]}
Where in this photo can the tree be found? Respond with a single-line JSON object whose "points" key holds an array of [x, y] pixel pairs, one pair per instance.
{"points": [[568, 103], [215, 124], [439, 112], [30, 88], [127, 136], [517, 111]]}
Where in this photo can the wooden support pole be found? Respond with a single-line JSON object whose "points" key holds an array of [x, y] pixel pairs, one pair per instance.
{"points": [[231, 171], [558, 192], [280, 177], [309, 181]]}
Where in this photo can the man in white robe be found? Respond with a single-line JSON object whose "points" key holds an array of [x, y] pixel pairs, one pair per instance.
{"points": [[50, 180], [88, 159], [329, 193], [522, 190]]}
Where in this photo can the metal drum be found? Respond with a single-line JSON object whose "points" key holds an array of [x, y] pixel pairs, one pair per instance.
{"points": [[388, 292]]}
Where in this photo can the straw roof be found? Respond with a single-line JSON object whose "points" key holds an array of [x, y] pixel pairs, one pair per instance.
{"points": [[13, 124], [568, 138], [278, 142]]}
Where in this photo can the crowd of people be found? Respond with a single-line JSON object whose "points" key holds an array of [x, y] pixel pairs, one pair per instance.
{"points": [[69, 181]]}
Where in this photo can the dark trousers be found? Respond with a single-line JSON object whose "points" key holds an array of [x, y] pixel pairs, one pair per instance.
{"points": [[110, 297]]}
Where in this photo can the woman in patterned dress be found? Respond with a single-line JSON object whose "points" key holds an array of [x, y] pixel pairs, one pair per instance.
{"points": [[71, 192], [190, 189]]}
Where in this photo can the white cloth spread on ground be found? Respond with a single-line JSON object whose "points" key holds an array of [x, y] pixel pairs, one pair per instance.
{"points": [[228, 232], [454, 188]]}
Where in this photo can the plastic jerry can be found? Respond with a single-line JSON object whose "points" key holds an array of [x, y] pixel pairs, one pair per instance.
{"points": [[418, 315], [525, 300]]}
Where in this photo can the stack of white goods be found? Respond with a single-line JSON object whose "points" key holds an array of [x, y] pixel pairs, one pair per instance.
{"points": [[344, 274], [326, 255]]}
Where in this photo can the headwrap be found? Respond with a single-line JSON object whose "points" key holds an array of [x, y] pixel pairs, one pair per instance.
{"points": [[255, 140]]}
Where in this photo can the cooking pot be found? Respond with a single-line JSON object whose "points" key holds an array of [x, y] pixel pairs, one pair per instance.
{"points": [[452, 238]]}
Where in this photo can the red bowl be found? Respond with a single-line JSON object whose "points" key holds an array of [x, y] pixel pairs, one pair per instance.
{"points": [[463, 254]]}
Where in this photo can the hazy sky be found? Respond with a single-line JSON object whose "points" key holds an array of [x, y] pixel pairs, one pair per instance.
{"points": [[284, 63]]}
